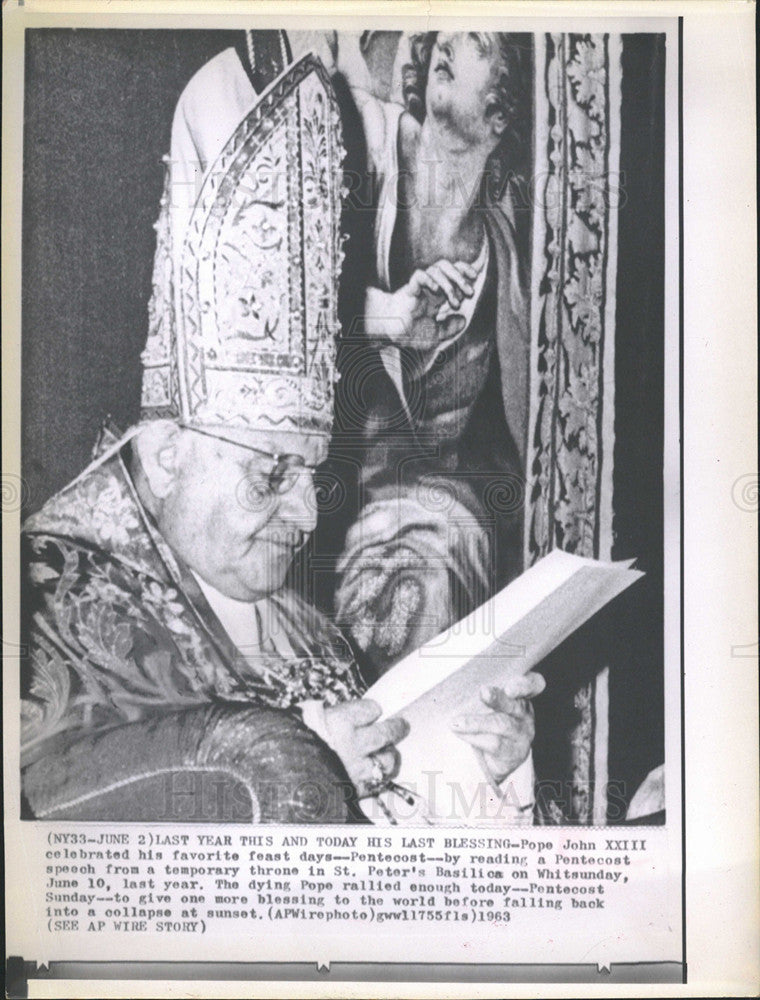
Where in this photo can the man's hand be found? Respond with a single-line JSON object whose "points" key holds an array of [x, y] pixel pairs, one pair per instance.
{"points": [[505, 734], [408, 317], [357, 738]]}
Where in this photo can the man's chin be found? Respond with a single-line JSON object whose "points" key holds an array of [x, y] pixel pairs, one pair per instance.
{"points": [[439, 101], [273, 560], [256, 590]]}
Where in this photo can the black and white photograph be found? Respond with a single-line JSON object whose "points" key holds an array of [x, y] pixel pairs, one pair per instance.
{"points": [[350, 492], [358, 332]]}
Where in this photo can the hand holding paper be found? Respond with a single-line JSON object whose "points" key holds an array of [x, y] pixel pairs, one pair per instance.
{"points": [[358, 738], [503, 736], [497, 646]]}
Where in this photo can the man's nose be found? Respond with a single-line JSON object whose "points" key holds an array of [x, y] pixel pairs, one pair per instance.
{"points": [[299, 504], [446, 44]]}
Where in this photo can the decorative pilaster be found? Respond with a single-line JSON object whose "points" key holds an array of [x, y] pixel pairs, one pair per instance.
{"points": [[570, 450]]}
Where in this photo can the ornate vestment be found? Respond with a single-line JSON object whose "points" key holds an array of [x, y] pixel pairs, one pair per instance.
{"points": [[119, 631]]}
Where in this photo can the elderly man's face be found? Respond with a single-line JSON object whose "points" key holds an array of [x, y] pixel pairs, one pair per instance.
{"points": [[222, 519]]}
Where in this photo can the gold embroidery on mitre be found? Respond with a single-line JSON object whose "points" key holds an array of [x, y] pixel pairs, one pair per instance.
{"points": [[247, 335]]}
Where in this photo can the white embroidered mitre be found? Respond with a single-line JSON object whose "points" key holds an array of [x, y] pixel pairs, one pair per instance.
{"points": [[243, 319]]}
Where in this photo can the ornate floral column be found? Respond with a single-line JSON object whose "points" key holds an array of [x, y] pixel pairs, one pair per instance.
{"points": [[577, 190]]}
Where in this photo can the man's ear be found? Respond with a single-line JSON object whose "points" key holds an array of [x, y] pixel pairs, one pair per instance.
{"points": [[499, 123], [495, 116], [158, 447]]}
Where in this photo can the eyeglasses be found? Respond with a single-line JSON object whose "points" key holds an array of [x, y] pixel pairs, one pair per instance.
{"points": [[285, 469]]}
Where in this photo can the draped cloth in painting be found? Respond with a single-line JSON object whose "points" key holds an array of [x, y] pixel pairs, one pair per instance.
{"points": [[570, 448]]}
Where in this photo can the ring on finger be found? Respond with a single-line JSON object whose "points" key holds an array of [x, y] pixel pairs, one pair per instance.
{"points": [[378, 777]]}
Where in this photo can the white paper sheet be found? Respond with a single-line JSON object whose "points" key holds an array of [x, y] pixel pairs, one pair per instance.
{"points": [[510, 634]]}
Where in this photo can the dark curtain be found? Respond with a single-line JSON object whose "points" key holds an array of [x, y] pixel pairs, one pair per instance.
{"points": [[636, 682]]}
